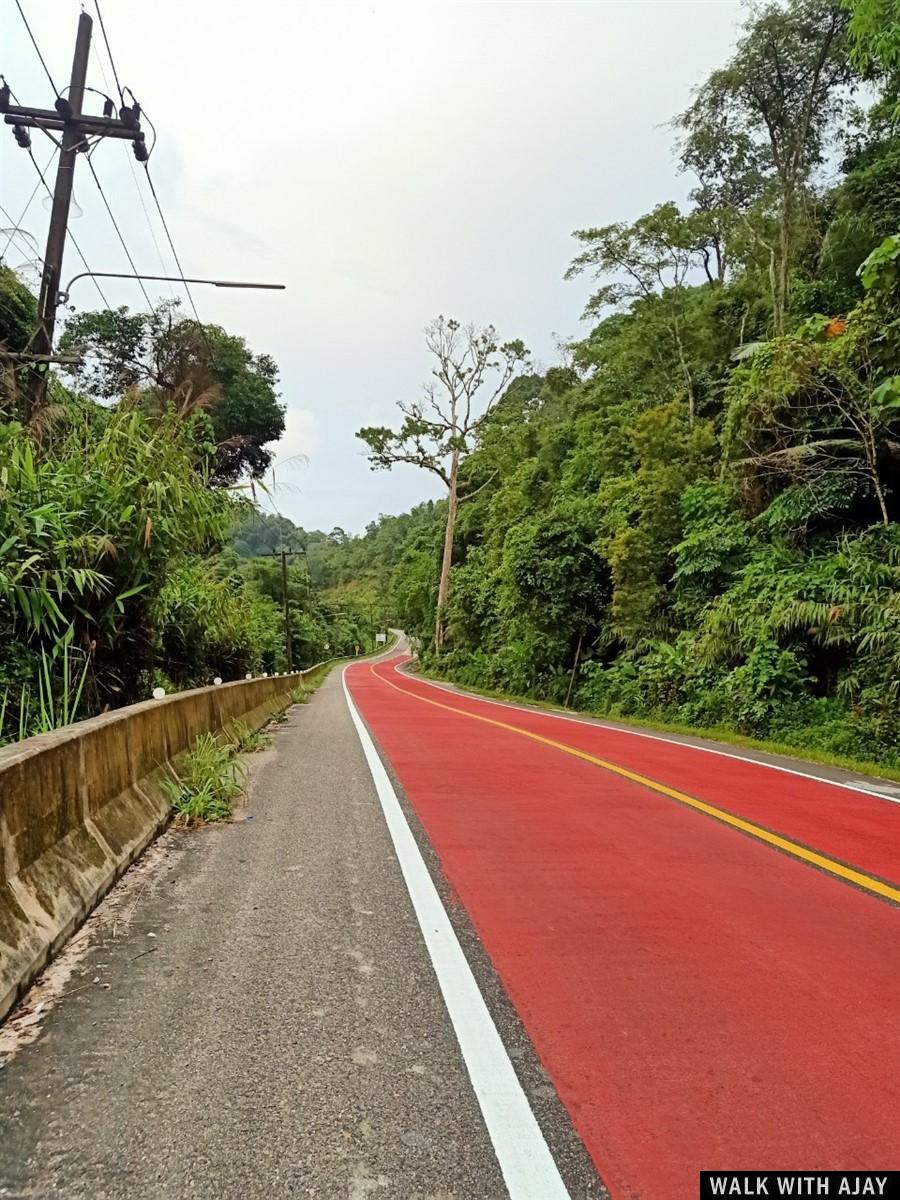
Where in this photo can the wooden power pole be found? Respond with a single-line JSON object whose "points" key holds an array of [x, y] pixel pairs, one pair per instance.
{"points": [[76, 127], [288, 642]]}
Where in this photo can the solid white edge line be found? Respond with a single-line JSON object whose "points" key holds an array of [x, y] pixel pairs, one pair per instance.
{"points": [[597, 723], [526, 1163]]}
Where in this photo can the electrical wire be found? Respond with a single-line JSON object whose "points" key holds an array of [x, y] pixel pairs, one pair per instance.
{"points": [[18, 224], [138, 189], [24, 237], [118, 231], [146, 117], [159, 254], [38, 123], [153, 192], [165, 226], [112, 61], [71, 235], [37, 48]]}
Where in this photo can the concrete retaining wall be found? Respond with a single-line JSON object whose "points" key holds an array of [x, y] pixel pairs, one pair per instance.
{"points": [[77, 806]]}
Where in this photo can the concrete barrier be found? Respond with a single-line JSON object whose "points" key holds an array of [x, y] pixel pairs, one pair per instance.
{"points": [[78, 805]]}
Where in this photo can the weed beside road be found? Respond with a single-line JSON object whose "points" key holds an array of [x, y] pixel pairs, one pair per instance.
{"points": [[209, 780]]}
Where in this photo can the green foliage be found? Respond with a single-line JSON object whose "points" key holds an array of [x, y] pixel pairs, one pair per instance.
{"points": [[702, 512], [713, 548], [90, 522], [247, 740], [875, 33], [206, 784], [880, 269], [47, 694], [169, 362], [111, 577], [18, 312], [213, 621]]}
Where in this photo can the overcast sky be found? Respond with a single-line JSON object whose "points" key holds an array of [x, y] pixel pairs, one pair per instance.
{"points": [[388, 162]]}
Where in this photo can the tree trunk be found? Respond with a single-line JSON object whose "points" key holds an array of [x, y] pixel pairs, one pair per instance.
{"points": [[871, 448], [773, 284], [786, 247], [446, 562], [574, 669]]}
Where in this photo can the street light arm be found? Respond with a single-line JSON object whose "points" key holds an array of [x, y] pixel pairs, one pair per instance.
{"points": [[220, 283]]}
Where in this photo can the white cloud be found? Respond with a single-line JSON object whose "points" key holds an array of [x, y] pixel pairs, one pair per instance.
{"points": [[388, 161]]}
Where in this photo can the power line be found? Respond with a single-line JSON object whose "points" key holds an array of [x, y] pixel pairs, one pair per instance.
{"points": [[40, 125], [175, 254], [140, 193], [23, 235], [78, 130], [150, 181], [18, 224], [37, 48], [71, 235], [118, 231], [138, 189], [112, 61]]}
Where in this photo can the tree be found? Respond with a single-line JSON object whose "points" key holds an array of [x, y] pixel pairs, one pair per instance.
{"points": [[18, 311], [18, 317], [438, 433], [90, 525], [167, 360], [651, 259], [775, 104]]}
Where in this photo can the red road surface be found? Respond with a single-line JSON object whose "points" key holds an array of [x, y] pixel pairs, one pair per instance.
{"points": [[701, 1000]]}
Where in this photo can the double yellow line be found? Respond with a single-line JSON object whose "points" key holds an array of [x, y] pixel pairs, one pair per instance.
{"points": [[860, 879]]}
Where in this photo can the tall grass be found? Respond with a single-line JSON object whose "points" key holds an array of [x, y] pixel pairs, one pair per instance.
{"points": [[207, 783], [53, 701]]}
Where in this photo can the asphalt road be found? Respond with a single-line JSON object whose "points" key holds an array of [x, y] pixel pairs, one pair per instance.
{"points": [[261, 1018], [641, 960], [704, 948]]}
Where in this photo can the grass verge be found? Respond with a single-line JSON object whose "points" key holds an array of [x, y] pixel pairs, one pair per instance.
{"points": [[210, 778], [246, 740], [729, 737]]}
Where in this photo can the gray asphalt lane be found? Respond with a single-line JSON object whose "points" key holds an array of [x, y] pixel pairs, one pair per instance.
{"points": [[286, 1036]]}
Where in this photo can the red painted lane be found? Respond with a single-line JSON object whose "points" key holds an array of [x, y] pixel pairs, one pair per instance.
{"points": [[699, 1000], [852, 827]]}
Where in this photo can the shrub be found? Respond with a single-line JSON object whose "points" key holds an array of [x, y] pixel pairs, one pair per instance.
{"points": [[207, 783], [246, 740]]}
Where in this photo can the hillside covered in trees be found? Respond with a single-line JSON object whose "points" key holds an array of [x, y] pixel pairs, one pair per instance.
{"points": [[694, 517], [698, 512], [117, 508]]}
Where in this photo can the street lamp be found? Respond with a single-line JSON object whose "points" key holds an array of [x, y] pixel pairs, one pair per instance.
{"points": [[63, 297]]}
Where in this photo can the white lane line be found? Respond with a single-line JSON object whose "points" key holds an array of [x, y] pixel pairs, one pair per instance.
{"points": [[524, 1157], [868, 790]]}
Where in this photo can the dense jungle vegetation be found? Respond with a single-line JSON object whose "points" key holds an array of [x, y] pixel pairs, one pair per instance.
{"points": [[118, 501], [693, 518], [698, 512]]}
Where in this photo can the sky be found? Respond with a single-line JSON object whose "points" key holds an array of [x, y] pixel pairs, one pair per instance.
{"points": [[387, 162]]}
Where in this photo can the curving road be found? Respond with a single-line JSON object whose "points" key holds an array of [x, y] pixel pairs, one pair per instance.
{"points": [[703, 947], [464, 950]]}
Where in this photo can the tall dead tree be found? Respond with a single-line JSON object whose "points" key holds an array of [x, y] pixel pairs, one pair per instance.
{"points": [[472, 370]]}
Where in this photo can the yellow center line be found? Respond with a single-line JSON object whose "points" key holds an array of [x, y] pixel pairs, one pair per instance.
{"points": [[868, 882]]}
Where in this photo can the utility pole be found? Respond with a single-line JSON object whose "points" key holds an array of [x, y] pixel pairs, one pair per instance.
{"points": [[66, 116], [289, 649]]}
